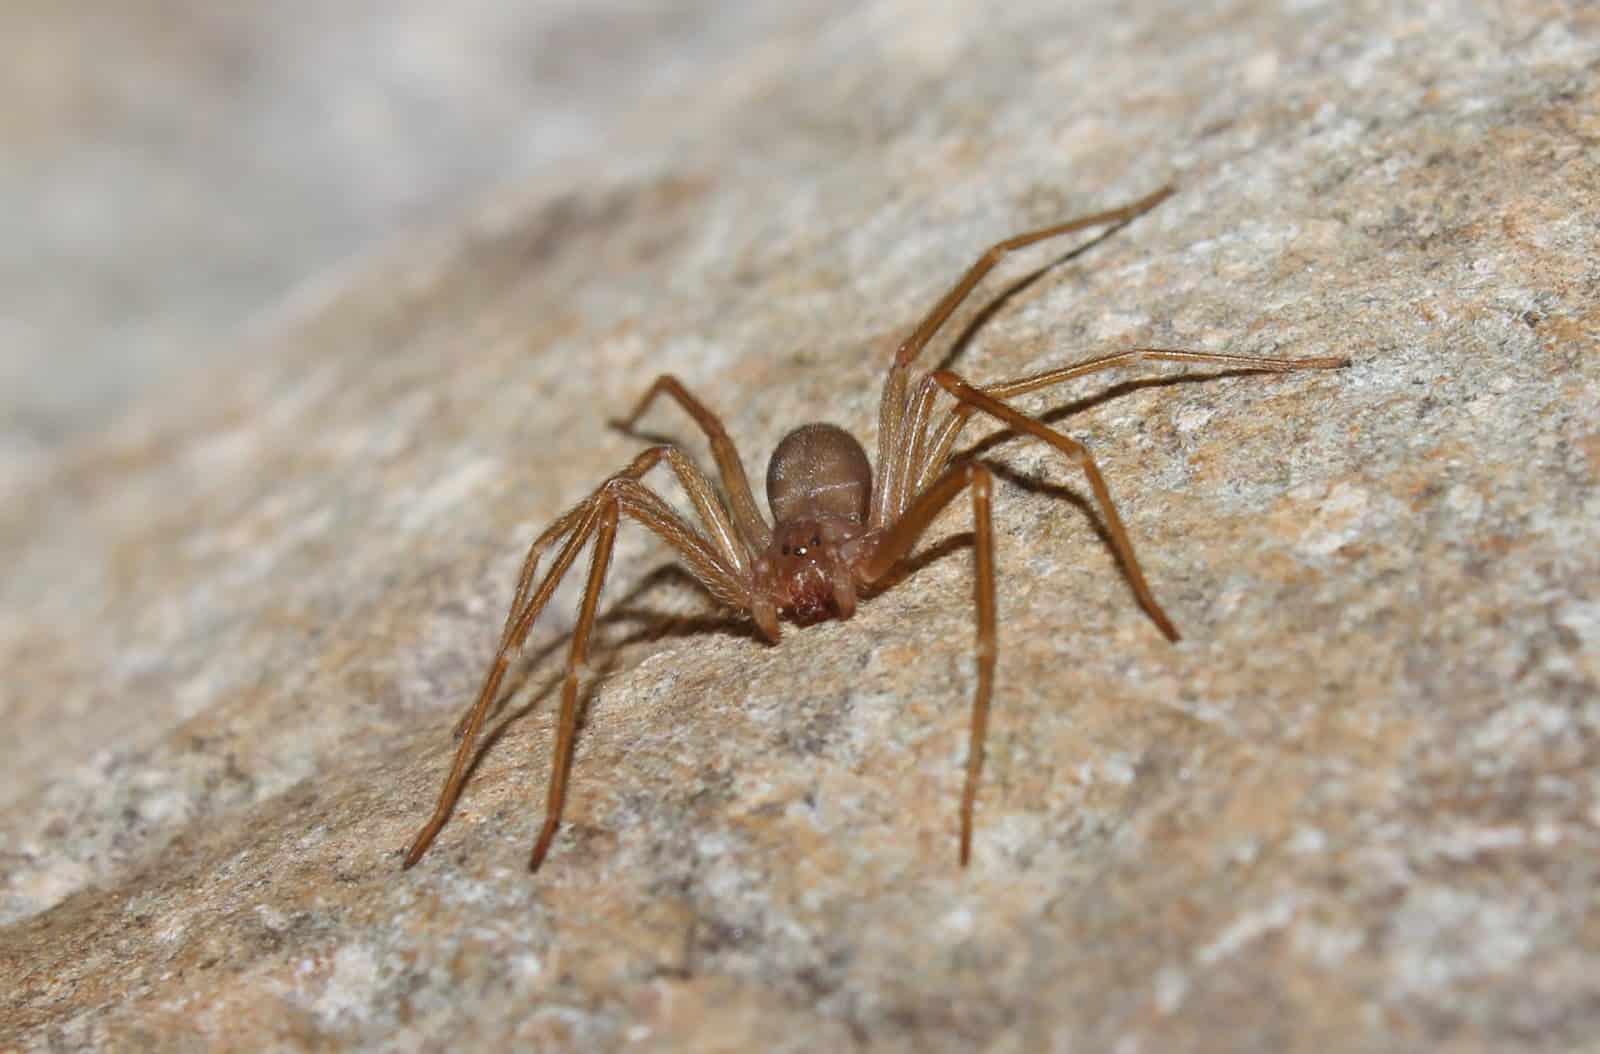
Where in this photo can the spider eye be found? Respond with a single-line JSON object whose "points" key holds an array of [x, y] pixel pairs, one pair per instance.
{"points": [[816, 539], [786, 550]]}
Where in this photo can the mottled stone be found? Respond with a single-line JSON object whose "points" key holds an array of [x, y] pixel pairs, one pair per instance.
{"points": [[1358, 807]]}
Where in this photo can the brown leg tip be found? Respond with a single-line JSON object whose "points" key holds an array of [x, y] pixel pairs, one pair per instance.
{"points": [[419, 846], [542, 847]]}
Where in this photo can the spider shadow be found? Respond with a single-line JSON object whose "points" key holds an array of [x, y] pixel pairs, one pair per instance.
{"points": [[1089, 402], [982, 317], [650, 625], [1039, 485], [916, 561], [920, 559]]}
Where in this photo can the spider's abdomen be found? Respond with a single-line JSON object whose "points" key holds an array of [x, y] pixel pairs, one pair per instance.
{"points": [[819, 472]]}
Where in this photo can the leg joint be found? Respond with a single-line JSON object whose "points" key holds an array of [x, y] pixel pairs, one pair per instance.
{"points": [[980, 478]]}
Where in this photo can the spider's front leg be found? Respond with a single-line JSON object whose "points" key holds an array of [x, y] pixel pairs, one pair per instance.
{"points": [[567, 727], [581, 522], [897, 542], [734, 557], [723, 571]]}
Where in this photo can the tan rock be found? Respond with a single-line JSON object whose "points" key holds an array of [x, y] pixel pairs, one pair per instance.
{"points": [[1355, 808]]}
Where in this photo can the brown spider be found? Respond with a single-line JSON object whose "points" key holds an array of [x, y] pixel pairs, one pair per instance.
{"points": [[833, 532]]}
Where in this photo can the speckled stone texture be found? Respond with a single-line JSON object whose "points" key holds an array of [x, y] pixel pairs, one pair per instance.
{"points": [[1357, 808]]}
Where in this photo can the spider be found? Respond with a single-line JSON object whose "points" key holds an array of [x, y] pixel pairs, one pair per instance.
{"points": [[834, 531]]}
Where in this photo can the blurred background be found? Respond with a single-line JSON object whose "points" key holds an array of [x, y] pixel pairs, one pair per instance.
{"points": [[173, 167]]}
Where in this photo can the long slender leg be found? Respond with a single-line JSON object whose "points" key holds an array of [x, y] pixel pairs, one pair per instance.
{"points": [[724, 583], [746, 513], [623, 492], [913, 450], [934, 454], [891, 441], [892, 407], [730, 546], [644, 462], [625, 495], [1078, 454], [509, 644], [567, 728], [1023, 385], [947, 304], [729, 543], [898, 542], [728, 584]]}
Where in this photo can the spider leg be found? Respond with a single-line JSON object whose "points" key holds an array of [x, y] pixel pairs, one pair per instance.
{"points": [[947, 304], [912, 452], [897, 542], [622, 492], [695, 484], [1078, 454], [644, 462], [625, 495], [746, 513], [567, 727], [929, 457], [511, 640], [892, 407], [730, 545], [891, 443], [1023, 385]]}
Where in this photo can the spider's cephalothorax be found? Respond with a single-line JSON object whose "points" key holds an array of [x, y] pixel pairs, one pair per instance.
{"points": [[819, 484], [832, 532]]}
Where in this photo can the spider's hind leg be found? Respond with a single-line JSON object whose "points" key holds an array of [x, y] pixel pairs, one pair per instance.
{"points": [[929, 451]]}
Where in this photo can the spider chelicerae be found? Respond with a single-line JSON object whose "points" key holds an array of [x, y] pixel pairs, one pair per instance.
{"points": [[835, 531]]}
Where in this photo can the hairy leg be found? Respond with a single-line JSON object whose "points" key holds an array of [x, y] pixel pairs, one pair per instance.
{"points": [[746, 513], [913, 345], [512, 640]]}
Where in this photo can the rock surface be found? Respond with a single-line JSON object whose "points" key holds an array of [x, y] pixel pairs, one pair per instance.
{"points": [[1357, 807]]}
